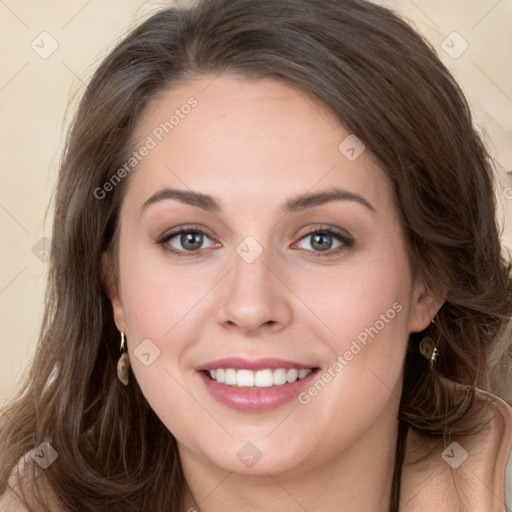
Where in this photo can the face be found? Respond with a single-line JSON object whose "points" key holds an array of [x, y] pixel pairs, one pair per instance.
{"points": [[255, 241]]}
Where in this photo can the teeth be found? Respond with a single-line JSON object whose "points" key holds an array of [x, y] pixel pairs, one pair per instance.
{"points": [[230, 377], [291, 375], [244, 378], [279, 377], [264, 378], [303, 373], [259, 379]]}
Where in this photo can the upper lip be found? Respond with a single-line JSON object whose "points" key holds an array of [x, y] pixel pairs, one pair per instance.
{"points": [[239, 363]]}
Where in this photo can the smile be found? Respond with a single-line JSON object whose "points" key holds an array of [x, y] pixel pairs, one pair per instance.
{"points": [[259, 379], [255, 385]]}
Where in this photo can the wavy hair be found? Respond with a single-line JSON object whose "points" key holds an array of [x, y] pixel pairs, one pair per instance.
{"points": [[386, 85]]}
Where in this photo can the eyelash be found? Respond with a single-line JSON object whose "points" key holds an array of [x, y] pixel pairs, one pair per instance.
{"points": [[339, 235]]}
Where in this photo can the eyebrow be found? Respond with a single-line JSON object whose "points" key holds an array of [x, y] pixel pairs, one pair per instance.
{"points": [[295, 204]]}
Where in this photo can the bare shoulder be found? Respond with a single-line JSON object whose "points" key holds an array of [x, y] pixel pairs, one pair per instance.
{"points": [[464, 472], [9, 503]]}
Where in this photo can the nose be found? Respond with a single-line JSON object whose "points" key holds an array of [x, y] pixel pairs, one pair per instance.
{"points": [[254, 297]]}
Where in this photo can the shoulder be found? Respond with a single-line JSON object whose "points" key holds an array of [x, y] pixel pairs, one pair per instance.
{"points": [[502, 424], [508, 483], [464, 472], [10, 503]]}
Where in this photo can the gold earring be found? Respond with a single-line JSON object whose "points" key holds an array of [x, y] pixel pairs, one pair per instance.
{"points": [[429, 350], [123, 364]]}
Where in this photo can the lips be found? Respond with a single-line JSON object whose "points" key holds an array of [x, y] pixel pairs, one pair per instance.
{"points": [[229, 382]]}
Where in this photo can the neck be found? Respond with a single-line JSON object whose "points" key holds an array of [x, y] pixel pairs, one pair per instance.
{"points": [[356, 480]]}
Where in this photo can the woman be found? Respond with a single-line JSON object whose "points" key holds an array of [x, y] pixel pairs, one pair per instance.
{"points": [[325, 340]]}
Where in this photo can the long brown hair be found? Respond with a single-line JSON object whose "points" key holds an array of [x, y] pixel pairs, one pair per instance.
{"points": [[388, 87]]}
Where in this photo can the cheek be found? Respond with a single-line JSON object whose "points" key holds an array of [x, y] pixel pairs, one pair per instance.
{"points": [[356, 295], [364, 310], [158, 294], [160, 302]]}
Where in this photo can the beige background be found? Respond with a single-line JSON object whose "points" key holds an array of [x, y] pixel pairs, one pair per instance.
{"points": [[35, 93]]}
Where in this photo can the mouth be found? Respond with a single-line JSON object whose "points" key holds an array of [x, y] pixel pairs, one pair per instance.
{"points": [[255, 385], [265, 378]]}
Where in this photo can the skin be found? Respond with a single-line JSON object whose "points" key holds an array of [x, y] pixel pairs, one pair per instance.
{"points": [[253, 145]]}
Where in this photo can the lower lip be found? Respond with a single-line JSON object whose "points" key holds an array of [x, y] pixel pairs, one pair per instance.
{"points": [[255, 400]]}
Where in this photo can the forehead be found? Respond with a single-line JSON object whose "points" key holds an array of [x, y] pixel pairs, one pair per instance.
{"points": [[218, 134]]}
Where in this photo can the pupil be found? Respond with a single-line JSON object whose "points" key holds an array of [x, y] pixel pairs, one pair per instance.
{"points": [[322, 240], [195, 239]]}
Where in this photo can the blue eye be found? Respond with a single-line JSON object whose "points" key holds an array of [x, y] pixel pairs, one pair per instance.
{"points": [[190, 241], [323, 240]]}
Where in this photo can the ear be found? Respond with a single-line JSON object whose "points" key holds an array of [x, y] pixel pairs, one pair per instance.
{"points": [[425, 305], [111, 284]]}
